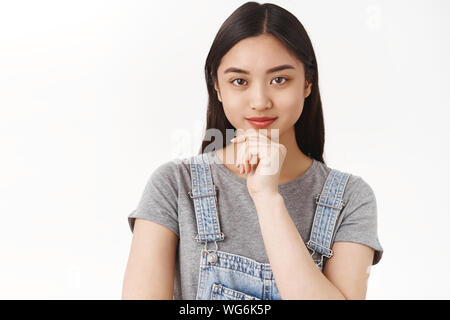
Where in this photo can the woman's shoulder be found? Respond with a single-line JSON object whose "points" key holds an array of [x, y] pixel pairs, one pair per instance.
{"points": [[171, 167], [166, 170], [356, 186], [174, 172]]}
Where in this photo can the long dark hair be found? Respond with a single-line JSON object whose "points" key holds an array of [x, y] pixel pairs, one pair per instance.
{"points": [[250, 20]]}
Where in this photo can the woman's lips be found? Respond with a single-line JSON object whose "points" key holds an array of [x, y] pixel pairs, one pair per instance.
{"points": [[261, 124]]}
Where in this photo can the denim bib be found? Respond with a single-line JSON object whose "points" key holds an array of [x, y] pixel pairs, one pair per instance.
{"points": [[227, 276]]}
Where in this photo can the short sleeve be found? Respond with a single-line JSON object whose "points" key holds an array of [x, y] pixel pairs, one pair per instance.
{"points": [[159, 201], [359, 222]]}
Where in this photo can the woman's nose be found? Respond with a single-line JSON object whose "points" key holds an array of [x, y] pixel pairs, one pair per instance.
{"points": [[259, 98]]}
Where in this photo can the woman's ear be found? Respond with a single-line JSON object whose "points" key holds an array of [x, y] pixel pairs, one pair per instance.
{"points": [[216, 86], [307, 89]]}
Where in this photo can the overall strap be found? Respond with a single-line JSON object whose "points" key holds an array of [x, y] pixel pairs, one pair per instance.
{"points": [[204, 196], [329, 204]]}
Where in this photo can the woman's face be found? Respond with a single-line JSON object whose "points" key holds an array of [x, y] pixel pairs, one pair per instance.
{"points": [[247, 88]]}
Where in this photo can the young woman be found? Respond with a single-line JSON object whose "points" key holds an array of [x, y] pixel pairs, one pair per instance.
{"points": [[216, 226]]}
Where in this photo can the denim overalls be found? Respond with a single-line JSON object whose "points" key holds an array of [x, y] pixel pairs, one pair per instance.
{"points": [[227, 276]]}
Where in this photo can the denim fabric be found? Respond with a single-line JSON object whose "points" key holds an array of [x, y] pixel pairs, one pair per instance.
{"points": [[227, 276]]}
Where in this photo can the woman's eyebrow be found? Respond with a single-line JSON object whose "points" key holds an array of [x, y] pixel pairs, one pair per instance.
{"points": [[271, 70]]}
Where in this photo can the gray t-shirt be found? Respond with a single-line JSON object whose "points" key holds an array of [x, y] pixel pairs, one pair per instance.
{"points": [[166, 201]]}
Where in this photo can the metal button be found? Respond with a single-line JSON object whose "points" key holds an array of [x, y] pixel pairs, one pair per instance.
{"points": [[212, 258]]}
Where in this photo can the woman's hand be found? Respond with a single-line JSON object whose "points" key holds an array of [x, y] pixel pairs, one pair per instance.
{"points": [[261, 159]]}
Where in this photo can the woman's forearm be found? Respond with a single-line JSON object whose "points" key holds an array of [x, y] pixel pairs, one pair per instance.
{"points": [[296, 274]]}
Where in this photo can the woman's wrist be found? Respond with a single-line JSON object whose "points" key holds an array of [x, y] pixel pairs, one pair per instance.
{"points": [[266, 197]]}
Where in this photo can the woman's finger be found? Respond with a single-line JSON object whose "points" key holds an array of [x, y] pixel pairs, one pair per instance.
{"points": [[248, 166], [241, 149], [253, 147], [239, 139], [246, 158], [253, 162]]}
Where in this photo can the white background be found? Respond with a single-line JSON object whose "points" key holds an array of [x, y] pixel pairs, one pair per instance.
{"points": [[93, 95]]}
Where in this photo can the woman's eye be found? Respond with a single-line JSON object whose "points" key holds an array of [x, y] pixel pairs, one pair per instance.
{"points": [[281, 78], [237, 79]]}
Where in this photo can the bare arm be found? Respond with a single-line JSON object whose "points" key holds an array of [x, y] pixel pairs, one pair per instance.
{"points": [[150, 270], [349, 268]]}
